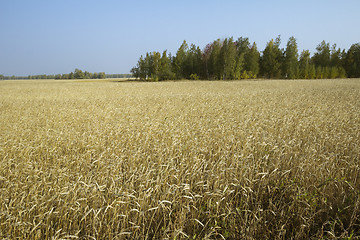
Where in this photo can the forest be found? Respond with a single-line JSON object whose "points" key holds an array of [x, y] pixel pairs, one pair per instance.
{"points": [[229, 59]]}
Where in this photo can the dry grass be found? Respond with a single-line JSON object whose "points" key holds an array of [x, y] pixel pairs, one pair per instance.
{"points": [[178, 160]]}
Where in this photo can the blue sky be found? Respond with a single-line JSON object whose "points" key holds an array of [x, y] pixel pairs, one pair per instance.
{"points": [[57, 36]]}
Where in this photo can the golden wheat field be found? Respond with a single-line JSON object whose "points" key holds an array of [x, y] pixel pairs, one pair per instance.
{"points": [[272, 159]]}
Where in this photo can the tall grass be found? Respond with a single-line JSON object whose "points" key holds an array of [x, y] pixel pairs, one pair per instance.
{"points": [[179, 160]]}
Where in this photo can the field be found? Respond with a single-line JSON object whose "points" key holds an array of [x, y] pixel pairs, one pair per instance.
{"points": [[180, 160]]}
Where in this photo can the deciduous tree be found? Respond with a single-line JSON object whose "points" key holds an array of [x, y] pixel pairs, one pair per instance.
{"points": [[180, 60], [291, 64], [352, 61], [227, 59], [322, 56], [214, 60], [251, 61], [271, 60], [305, 65]]}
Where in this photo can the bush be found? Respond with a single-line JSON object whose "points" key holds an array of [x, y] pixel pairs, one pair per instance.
{"points": [[194, 76]]}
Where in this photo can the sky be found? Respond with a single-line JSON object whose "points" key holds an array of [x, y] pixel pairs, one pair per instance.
{"points": [[57, 36]]}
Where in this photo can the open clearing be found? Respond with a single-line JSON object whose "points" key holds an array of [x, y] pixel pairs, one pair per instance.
{"points": [[236, 160]]}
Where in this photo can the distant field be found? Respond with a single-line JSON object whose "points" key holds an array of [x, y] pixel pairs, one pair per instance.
{"points": [[275, 159]]}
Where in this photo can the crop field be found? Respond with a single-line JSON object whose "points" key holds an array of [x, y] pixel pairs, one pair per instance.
{"points": [[276, 159]]}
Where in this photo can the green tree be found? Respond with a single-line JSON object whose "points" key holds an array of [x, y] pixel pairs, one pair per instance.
{"points": [[140, 71], [342, 72], [180, 60], [320, 72], [193, 61], [251, 61], [87, 75], [271, 60], [153, 67], [305, 64], [165, 71], [79, 74], [214, 63], [102, 75], [335, 57], [227, 59], [206, 60], [242, 50], [143, 67], [312, 71], [291, 64], [322, 56], [326, 72], [239, 66], [242, 45], [334, 72], [71, 75], [352, 61], [154, 63], [147, 66], [135, 72]]}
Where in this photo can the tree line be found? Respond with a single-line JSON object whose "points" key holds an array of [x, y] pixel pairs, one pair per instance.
{"points": [[77, 74], [119, 75], [239, 59]]}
